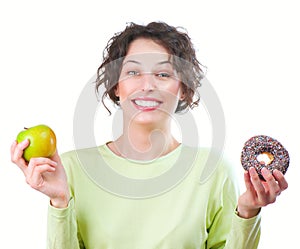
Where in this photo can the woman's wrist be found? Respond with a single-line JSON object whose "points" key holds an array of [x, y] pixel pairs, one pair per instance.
{"points": [[60, 202], [247, 213]]}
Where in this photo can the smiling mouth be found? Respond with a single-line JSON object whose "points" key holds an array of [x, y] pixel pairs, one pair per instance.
{"points": [[146, 104]]}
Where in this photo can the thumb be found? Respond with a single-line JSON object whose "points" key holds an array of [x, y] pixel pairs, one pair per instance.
{"points": [[56, 157]]}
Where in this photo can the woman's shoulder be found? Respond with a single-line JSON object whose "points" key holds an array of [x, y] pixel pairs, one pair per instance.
{"points": [[76, 157], [73, 154]]}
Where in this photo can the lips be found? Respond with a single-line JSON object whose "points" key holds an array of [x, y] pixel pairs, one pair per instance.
{"points": [[146, 104]]}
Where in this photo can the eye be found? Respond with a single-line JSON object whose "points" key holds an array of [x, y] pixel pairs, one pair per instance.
{"points": [[163, 75], [133, 73]]}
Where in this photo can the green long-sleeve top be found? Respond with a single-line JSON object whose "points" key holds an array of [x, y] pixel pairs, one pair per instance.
{"points": [[196, 210]]}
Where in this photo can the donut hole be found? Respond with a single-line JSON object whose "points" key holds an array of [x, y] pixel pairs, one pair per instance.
{"points": [[265, 158]]}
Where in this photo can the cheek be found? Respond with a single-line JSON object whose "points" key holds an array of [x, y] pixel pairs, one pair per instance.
{"points": [[172, 95], [175, 89], [124, 90]]}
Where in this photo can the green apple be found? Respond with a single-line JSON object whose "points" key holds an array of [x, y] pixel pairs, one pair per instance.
{"points": [[42, 141]]}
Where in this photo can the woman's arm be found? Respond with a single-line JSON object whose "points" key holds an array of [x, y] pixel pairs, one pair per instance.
{"points": [[62, 229], [48, 176], [228, 230]]}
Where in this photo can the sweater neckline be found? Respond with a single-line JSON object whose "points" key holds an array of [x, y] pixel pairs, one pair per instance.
{"points": [[139, 169], [147, 162]]}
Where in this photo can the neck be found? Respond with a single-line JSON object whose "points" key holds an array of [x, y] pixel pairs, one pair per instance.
{"points": [[141, 142]]}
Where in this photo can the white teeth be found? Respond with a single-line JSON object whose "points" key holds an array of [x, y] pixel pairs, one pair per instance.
{"points": [[146, 103]]}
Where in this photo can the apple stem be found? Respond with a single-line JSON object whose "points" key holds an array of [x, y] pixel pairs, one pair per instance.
{"points": [[25, 128]]}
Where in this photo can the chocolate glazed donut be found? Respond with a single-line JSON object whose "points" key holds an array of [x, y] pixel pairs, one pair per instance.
{"points": [[264, 151]]}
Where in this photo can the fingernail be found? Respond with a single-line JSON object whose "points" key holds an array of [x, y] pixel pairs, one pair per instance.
{"points": [[265, 171], [25, 141], [252, 172]]}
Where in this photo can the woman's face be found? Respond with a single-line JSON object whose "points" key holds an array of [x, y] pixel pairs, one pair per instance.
{"points": [[148, 87]]}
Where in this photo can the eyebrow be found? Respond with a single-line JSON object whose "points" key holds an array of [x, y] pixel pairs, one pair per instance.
{"points": [[164, 62], [139, 63], [132, 61]]}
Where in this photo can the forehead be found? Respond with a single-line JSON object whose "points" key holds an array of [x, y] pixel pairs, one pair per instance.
{"points": [[147, 60], [146, 52], [144, 45]]}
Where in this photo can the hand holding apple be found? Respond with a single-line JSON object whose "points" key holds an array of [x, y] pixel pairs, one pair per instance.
{"points": [[34, 152]]}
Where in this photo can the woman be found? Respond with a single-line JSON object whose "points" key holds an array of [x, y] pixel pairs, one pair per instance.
{"points": [[151, 72]]}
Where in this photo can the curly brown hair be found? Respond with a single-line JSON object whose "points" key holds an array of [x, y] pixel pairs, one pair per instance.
{"points": [[176, 42]]}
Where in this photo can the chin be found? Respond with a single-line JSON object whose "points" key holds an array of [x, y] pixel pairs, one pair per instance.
{"points": [[149, 118]]}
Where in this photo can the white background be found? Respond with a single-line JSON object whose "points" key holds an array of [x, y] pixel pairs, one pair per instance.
{"points": [[49, 51]]}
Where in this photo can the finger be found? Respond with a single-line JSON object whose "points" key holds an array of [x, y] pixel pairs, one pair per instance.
{"points": [[17, 150], [36, 179], [36, 161], [23, 144], [257, 185], [272, 185], [248, 183], [39, 161], [56, 157], [12, 151], [13, 147], [283, 184], [36, 167]]}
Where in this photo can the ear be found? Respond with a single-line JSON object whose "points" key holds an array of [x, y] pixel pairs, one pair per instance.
{"points": [[182, 94], [117, 90]]}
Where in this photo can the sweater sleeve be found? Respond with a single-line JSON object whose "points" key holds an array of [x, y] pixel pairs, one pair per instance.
{"points": [[244, 233], [228, 230], [62, 228]]}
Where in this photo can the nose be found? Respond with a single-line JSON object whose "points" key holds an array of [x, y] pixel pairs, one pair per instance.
{"points": [[148, 81]]}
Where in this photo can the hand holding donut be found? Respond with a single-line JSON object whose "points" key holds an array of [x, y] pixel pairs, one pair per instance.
{"points": [[264, 180], [46, 175], [260, 193]]}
